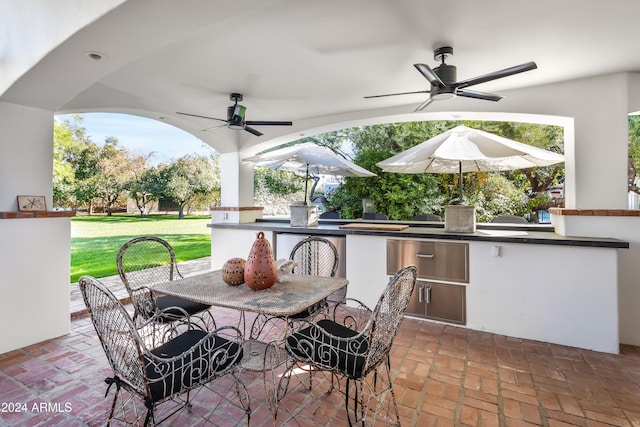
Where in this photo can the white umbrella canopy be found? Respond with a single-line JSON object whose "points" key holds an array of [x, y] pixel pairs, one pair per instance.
{"points": [[464, 149], [308, 158]]}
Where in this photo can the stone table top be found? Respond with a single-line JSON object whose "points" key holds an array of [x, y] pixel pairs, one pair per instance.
{"points": [[286, 298]]}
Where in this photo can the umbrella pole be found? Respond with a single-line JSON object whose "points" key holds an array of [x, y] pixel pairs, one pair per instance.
{"points": [[460, 182], [306, 184]]}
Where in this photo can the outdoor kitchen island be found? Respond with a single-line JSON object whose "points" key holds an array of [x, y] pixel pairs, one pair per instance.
{"points": [[523, 281]]}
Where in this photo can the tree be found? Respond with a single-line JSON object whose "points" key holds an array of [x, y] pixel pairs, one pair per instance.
{"points": [[187, 177], [399, 196], [69, 144], [87, 177], [547, 137], [144, 187], [634, 153], [276, 189], [116, 168]]}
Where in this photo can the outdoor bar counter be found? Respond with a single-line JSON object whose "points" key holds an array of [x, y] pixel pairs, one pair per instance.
{"points": [[519, 280]]}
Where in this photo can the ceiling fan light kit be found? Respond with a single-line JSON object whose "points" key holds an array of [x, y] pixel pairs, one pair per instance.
{"points": [[444, 84], [236, 117]]}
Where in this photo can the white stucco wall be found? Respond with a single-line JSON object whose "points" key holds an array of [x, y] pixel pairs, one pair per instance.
{"points": [[559, 294], [34, 253], [26, 154], [35, 281], [626, 229]]}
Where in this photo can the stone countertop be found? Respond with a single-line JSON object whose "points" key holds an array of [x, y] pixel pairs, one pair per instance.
{"points": [[497, 233]]}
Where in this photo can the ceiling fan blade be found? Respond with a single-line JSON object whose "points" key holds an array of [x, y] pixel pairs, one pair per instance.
{"points": [[399, 93], [497, 75], [267, 123], [212, 127], [430, 75], [253, 131], [479, 95], [202, 117], [423, 105]]}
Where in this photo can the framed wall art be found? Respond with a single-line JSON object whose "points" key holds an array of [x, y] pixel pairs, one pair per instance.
{"points": [[31, 203]]}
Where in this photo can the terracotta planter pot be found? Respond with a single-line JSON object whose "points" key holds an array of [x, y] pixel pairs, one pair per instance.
{"points": [[260, 271]]}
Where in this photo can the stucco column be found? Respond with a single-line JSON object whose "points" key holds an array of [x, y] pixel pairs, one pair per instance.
{"points": [[600, 147], [34, 252], [236, 191]]}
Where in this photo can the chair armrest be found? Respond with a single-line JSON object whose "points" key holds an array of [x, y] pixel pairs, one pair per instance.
{"points": [[357, 304], [143, 301], [351, 313]]}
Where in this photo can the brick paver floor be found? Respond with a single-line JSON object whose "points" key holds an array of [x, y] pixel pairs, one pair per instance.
{"points": [[443, 376]]}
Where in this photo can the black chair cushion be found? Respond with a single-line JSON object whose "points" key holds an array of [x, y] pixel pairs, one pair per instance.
{"points": [[167, 301], [326, 352], [214, 355]]}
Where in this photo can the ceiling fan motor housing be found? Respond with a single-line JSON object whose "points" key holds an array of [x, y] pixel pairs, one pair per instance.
{"points": [[448, 74], [235, 116]]}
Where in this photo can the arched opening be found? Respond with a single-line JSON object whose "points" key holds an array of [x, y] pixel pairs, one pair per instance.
{"points": [[547, 194]]}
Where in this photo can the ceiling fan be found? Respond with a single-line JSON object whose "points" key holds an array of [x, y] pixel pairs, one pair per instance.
{"points": [[235, 117], [444, 84]]}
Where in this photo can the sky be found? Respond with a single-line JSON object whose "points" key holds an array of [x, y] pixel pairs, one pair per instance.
{"points": [[142, 136]]}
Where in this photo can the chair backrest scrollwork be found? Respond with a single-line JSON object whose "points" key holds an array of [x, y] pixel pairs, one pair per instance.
{"points": [[142, 262], [315, 256], [116, 331]]}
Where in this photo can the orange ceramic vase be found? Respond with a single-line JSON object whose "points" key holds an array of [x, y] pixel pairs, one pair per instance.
{"points": [[260, 269]]}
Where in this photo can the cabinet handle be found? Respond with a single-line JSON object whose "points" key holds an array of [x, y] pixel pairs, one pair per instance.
{"points": [[425, 255], [421, 293], [428, 301]]}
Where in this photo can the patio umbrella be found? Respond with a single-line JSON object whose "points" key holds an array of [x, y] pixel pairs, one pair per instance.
{"points": [[309, 159], [464, 149]]}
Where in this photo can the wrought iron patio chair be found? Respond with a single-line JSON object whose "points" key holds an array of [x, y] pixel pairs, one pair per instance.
{"points": [[375, 215], [148, 260], [330, 215], [314, 256], [427, 217], [357, 353], [156, 364], [317, 256]]}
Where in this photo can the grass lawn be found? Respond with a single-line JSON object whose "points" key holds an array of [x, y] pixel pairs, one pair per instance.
{"points": [[96, 240]]}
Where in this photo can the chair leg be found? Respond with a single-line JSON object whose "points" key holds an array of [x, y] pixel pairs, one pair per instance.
{"points": [[243, 396], [113, 406], [382, 383], [149, 417], [393, 395], [346, 401], [356, 402]]}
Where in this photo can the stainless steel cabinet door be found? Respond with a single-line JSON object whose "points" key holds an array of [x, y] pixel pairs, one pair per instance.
{"points": [[445, 302], [435, 260]]}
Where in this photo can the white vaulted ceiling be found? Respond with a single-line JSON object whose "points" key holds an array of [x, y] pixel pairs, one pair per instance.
{"points": [[312, 61]]}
